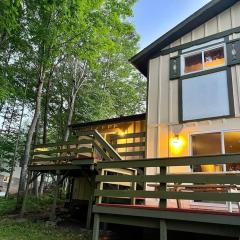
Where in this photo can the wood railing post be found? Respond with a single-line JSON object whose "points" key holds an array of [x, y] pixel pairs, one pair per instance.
{"points": [[100, 187], [163, 188], [134, 188]]}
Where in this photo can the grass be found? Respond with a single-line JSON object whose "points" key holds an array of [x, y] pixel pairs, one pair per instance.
{"points": [[7, 206], [11, 230]]}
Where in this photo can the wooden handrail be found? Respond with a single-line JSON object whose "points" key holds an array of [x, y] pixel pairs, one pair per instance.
{"points": [[111, 151], [44, 152], [178, 161], [217, 188]]}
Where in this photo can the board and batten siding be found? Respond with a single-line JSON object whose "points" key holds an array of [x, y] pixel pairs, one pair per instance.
{"points": [[162, 115]]}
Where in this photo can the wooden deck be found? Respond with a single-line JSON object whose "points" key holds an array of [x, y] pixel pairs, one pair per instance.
{"points": [[159, 190], [127, 193], [204, 222]]}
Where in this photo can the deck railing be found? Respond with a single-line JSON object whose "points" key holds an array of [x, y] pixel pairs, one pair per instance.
{"points": [[130, 146], [205, 186], [89, 144]]}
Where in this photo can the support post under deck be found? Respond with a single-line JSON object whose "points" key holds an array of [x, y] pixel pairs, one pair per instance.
{"points": [[96, 226], [53, 211], [163, 230], [90, 203]]}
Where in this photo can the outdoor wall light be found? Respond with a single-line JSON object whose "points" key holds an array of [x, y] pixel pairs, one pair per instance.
{"points": [[176, 142]]}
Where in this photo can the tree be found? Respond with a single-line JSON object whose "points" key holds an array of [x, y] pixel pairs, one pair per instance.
{"points": [[92, 77], [73, 54], [49, 32], [10, 13]]}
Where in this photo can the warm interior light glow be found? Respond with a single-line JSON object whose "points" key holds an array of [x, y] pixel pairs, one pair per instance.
{"points": [[121, 133], [176, 143]]}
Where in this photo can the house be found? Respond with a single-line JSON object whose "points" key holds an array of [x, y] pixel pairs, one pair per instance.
{"points": [[4, 180], [193, 110], [121, 138], [193, 87], [182, 171]]}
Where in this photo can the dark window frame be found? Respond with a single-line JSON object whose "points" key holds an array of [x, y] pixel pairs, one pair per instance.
{"points": [[230, 94], [202, 50]]}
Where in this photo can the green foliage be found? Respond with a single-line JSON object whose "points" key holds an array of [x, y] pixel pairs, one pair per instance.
{"points": [[52, 37], [11, 230], [34, 205], [7, 148], [7, 206]]}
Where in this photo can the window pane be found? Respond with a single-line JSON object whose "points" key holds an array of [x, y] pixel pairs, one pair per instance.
{"points": [[232, 145], [205, 96], [193, 63], [207, 144], [214, 58]]}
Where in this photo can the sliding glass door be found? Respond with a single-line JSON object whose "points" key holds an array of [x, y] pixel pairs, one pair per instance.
{"points": [[224, 142], [231, 146], [207, 144]]}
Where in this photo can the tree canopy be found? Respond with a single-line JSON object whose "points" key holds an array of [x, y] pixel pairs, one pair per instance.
{"points": [[66, 61]]}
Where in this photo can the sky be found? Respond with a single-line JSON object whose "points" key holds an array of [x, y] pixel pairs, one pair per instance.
{"points": [[153, 18]]}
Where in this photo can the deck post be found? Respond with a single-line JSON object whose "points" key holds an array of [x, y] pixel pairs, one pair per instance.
{"points": [[90, 203], [96, 225], [53, 212], [163, 230], [163, 202]]}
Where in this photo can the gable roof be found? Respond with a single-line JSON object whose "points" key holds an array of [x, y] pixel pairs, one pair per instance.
{"points": [[210, 10]]}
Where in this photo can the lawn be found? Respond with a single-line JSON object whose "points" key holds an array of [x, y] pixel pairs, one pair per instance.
{"points": [[12, 228], [43, 204]]}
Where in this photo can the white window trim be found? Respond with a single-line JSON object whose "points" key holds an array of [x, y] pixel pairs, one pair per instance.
{"points": [[228, 204], [183, 56], [204, 45], [213, 131]]}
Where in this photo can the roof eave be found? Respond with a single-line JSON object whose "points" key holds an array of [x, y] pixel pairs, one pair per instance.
{"points": [[201, 16]]}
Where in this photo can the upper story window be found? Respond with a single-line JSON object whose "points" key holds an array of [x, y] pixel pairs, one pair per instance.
{"points": [[204, 75], [203, 60]]}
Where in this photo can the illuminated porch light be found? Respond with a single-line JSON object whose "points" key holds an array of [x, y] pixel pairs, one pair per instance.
{"points": [[176, 142]]}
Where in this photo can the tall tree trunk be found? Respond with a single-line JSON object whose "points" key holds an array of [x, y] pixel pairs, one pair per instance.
{"points": [[46, 110], [70, 114], [41, 184], [60, 114], [35, 142], [45, 128], [31, 130]]}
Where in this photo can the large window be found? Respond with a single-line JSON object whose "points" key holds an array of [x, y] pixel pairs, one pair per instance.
{"points": [[205, 83], [207, 144], [213, 144], [203, 60], [205, 96]]}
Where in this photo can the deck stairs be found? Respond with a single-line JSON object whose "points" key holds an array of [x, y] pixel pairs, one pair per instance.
{"points": [[88, 148]]}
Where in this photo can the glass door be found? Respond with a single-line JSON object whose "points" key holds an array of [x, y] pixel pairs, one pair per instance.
{"points": [[207, 144], [232, 145]]}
